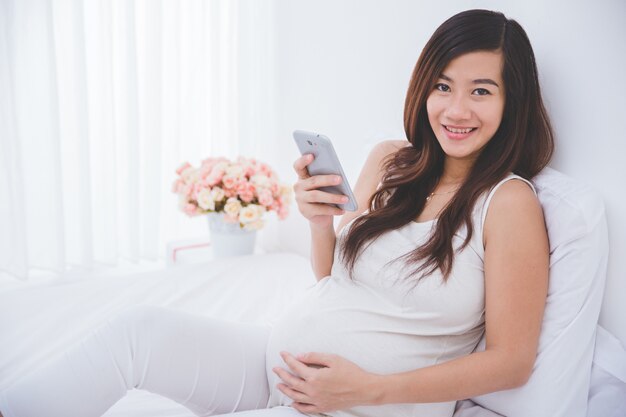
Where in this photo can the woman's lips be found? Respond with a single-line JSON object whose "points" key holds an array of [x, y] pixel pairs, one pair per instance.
{"points": [[457, 132]]}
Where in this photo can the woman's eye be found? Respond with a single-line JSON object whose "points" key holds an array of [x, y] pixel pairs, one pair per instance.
{"points": [[481, 92], [442, 87]]}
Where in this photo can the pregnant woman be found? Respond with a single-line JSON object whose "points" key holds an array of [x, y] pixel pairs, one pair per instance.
{"points": [[448, 244]]}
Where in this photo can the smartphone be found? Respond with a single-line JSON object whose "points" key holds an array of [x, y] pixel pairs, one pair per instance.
{"points": [[325, 162]]}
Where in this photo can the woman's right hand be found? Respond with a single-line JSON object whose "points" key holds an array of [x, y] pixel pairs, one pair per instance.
{"points": [[314, 204]]}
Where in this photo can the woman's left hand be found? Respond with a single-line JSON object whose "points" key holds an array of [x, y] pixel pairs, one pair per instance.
{"points": [[321, 382]]}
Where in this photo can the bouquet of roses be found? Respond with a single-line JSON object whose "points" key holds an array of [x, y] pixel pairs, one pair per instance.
{"points": [[244, 190]]}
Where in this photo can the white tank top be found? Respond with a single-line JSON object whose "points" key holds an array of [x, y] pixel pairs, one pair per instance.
{"points": [[385, 323]]}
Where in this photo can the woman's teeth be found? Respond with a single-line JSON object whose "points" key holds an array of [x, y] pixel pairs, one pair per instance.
{"points": [[455, 130]]}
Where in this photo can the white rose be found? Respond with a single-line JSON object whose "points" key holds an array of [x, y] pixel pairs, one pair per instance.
{"points": [[217, 194], [261, 181], [190, 175], [250, 214], [232, 207], [235, 171], [205, 199]]}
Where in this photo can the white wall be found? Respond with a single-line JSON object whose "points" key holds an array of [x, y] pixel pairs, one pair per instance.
{"points": [[342, 68]]}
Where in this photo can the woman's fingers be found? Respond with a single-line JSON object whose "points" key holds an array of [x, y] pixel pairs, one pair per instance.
{"points": [[307, 191], [300, 165], [313, 203], [289, 379], [308, 182], [317, 181], [296, 366], [317, 196], [305, 408], [296, 396]]}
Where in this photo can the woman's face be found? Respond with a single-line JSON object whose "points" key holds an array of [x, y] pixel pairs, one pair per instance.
{"points": [[466, 105]]}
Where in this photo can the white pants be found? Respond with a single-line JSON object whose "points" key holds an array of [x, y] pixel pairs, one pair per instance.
{"points": [[208, 365]]}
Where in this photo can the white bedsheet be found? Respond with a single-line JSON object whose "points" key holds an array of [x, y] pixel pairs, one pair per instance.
{"points": [[39, 322]]}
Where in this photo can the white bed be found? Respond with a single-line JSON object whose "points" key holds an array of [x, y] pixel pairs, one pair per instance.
{"points": [[40, 321]]}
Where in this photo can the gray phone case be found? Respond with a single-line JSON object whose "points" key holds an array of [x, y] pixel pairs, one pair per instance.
{"points": [[325, 162]]}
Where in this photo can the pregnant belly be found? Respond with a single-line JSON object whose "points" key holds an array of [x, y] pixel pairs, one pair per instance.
{"points": [[357, 335], [357, 328]]}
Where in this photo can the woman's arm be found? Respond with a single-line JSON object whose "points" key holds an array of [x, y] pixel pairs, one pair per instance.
{"points": [[516, 282], [314, 204]]}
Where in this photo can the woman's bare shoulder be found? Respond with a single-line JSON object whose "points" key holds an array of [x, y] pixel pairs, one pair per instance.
{"points": [[390, 146], [515, 193], [514, 208], [383, 149]]}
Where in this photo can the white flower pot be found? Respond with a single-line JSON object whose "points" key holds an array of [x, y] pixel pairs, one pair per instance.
{"points": [[228, 239]]}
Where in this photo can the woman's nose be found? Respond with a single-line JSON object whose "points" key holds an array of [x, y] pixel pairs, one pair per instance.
{"points": [[458, 109]]}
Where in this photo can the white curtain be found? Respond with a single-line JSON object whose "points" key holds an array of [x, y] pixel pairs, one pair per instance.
{"points": [[100, 101]]}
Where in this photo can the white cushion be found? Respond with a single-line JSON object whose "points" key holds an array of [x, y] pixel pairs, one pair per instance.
{"points": [[577, 230]]}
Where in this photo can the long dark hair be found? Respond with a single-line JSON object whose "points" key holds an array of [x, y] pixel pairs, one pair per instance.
{"points": [[523, 143]]}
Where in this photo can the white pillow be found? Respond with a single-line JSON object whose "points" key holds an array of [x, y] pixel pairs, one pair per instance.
{"points": [[577, 230]]}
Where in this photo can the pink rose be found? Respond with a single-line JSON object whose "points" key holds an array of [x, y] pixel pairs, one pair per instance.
{"points": [[246, 197], [245, 190], [249, 171], [229, 181], [215, 177], [244, 187], [204, 171], [208, 164], [177, 186], [190, 209], [265, 197], [265, 169], [196, 189], [183, 167], [187, 190]]}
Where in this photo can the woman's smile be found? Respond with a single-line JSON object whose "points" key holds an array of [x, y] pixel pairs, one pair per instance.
{"points": [[458, 133]]}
